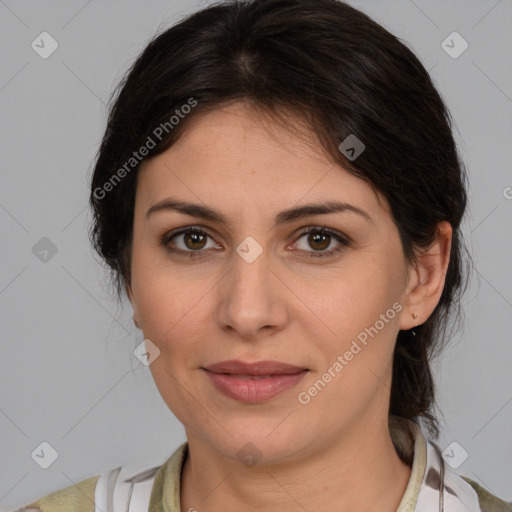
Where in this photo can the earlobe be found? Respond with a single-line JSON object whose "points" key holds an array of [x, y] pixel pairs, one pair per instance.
{"points": [[427, 279], [136, 319], [129, 293]]}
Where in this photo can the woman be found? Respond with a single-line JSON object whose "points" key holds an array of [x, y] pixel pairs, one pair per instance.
{"points": [[279, 194]]}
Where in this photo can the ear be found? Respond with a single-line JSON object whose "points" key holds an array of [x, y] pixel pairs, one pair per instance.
{"points": [[136, 319], [426, 279]]}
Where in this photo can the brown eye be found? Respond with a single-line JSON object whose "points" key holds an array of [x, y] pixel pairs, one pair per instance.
{"points": [[320, 239], [189, 242], [194, 240]]}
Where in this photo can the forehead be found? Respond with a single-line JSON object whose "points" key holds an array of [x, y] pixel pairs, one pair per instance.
{"points": [[239, 130], [235, 155]]}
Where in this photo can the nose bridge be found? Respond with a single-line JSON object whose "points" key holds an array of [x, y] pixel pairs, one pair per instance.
{"points": [[250, 300], [251, 264]]}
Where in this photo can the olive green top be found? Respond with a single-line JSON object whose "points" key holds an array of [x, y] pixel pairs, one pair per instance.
{"points": [[407, 437]]}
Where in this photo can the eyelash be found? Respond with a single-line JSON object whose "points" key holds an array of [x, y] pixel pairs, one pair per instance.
{"points": [[344, 241]]}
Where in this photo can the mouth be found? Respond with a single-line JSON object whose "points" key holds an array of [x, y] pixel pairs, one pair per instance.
{"points": [[254, 382], [257, 369]]}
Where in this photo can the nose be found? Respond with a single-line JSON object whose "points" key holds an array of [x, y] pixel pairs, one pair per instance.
{"points": [[252, 299]]}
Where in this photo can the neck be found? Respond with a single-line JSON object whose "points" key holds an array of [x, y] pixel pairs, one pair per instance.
{"points": [[361, 471]]}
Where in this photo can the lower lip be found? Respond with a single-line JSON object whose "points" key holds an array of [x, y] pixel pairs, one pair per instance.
{"points": [[246, 389]]}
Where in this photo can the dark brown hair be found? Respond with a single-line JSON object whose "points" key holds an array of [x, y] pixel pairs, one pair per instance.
{"points": [[341, 73]]}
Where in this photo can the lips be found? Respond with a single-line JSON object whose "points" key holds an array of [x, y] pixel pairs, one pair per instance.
{"points": [[253, 382], [257, 369]]}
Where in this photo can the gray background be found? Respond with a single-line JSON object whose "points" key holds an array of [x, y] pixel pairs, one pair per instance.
{"points": [[68, 376]]}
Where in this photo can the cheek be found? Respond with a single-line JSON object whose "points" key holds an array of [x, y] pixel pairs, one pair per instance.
{"points": [[362, 315], [363, 319], [156, 294], [357, 298], [172, 308]]}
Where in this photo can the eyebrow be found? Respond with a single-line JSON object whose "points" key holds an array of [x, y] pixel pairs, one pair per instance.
{"points": [[284, 217]]}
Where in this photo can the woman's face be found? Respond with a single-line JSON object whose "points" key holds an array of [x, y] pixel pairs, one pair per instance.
{"points": [[252, 294]]}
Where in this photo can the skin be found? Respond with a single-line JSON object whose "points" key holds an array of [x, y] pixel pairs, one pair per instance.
{"points": [[336, 451]]}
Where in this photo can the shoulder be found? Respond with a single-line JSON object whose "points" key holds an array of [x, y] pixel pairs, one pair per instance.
{"points": [[488, 502], [436, 484], [75, 498], [133, 486]]}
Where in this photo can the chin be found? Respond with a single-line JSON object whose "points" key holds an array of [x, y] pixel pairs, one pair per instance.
{"points": [[256, 442]]}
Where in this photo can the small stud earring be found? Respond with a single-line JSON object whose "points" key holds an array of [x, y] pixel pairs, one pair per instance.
{"points": [[414, 315]]}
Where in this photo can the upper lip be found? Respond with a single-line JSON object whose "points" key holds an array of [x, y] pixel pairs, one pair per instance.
{"points": [[237, 367]]}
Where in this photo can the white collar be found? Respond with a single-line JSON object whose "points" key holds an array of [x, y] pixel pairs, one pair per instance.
{"points": [[433, 485]]}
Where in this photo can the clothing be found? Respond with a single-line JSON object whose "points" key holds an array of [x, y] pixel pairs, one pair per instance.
{"points": [[433, 485]]}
